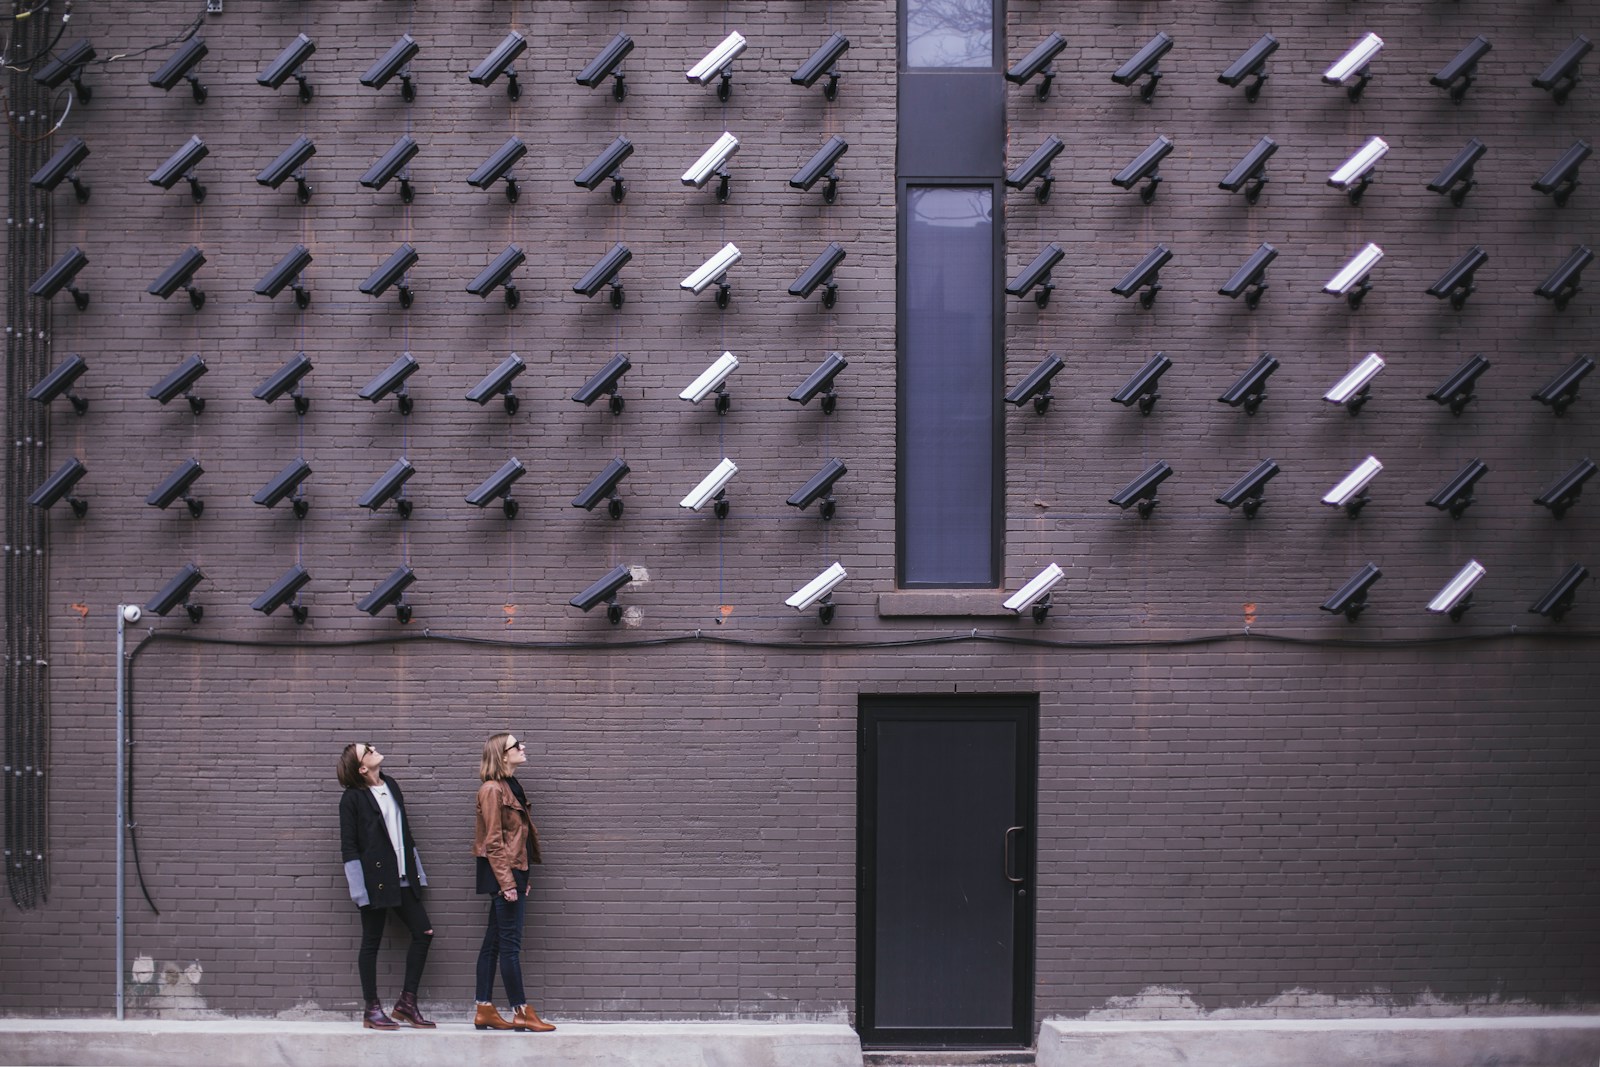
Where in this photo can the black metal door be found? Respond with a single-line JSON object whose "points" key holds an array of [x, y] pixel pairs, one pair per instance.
{"points": [[945, 870]]}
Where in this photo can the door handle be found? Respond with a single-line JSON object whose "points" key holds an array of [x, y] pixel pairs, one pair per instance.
{"points": [[1010, 877]]}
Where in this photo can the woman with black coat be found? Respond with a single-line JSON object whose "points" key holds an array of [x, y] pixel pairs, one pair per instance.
{"points": [[384, 872]]}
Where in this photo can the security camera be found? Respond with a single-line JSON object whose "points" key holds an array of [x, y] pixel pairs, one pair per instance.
{"points": [[716, 63], [1141, 388], [823, 162], [605, 65], [177, 592], [68, 66], [1355, 174], [59, 383], [285, 274], [1034, 597], [1249, 491], [1350, 492], [64, 166], [1559, 393], [712, 487], [606, 165], [820, 273], [59, 485], [710, 165], [1456, 283], [604, 591], [823, 60], [1351, 391], [1351, 598], [1142, 490], [711, 381], [390, 486], [1036, 386], [1562, 285], [284, 379], [1038, 62], [390, 591], [604, 273], [1351, 280], [1251, 169], [60, 276], [392, 380], [820, 380], [1561, 76], [288, 65], [132, 612], [1251, 388], [283, 483], [390, 164], [280, 592], [604, 487], [180, 275], [290, 163], [818, 591], [1456, 496], [498, 487], [1456, 596], [604, 382], [1458, 74], [180, 382], [1036, 275], [1146, 276], [1457, 390], [1557, 601], [1456, 178], [498, 166], [1250, 276], [1351, 69], [391, 271], [498, 383], [176, 486], [499, 62], [180, 66], [394, 62], [180, 167], [1562, 178], [1037, 167], [1144, 63], [1143, 169], [498, 273], [714, 269], [1564, 493], [1253, 64], [819, 487]]}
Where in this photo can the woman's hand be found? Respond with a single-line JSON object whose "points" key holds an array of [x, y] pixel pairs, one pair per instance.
{"points": [[510, 895]]}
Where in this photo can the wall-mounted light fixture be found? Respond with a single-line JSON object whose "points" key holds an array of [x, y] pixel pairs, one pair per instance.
{"points": [[180, 382], [1355, 174], [1252, 64], [1562, 178], [1248, 492], [604, 591], [290, 163], [67, 65], [712, 380], [1141, 388], [61, 276], [604, 273], [825, 60], [1250, 278], [604, 382], [1036, 275], [1142, 490], [1037, 167], [498, 383], [499, 62], [392, 63], [1036, 385], [1456, 179], [1557, 600], [716, 64], [1352, 281], [178, 591], [59, 383], [713, 487], [284, 483], [1456, 283], [1251, 388], [63, 165], [1354, 390], [59, 486], [1562, 284], [285, 378], [390, 271], [390, 165], [181, 67], [714, 270], [498, 166], [1456, 596], [1457, 391], [1250, 173], [1456, 496], [820, 381], [176, 486], [1144, 169], [1350, 492], [1567, 488], [286, 275], [390, 591], [818, 593], [1143, 64], [1036, 64], [1561, 76], [1146, 275], [713, 163], [605, 66], [820, 273], [1559, 392], [823, 163], [819, 487], [498, 487], [1458, 75], [390, 486], [1353, 70], [180, 275], [287, 65], [1034, 596], [1351, 599], [392, 380], [285, 591], [606, 166], [498, 273], [604, 487]]}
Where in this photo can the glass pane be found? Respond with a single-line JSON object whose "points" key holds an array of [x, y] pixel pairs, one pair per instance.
{"points": [[949, 33], [947, 388]]}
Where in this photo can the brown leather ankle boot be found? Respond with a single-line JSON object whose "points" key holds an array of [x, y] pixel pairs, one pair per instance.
{"points": [[488, 1018], [375, 1019], [525, 1018], [406, 1011]]}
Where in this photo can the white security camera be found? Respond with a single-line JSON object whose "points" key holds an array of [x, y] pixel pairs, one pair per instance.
{"points": [[1356, 173], [818, 591], [712, 269], [1036, 594], [1456, 597], [711, 379], [711, 161], [710, 487], [132, 612], [1351, 281], [716, 63], [1351, 66], [1350, 493], [1351, 390]]}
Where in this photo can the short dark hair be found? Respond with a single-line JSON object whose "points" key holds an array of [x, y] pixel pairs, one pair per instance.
{"points": [[348, 769]]}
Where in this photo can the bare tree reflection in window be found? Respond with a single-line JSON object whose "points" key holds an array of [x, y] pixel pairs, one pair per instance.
{"points": [[949, 33]]}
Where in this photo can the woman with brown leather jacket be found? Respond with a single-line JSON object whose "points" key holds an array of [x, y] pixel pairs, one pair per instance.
{"points": [[505, 845]]}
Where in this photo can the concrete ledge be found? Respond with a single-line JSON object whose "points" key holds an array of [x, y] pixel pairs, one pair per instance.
{"points": [[269, 1043], [1514, 1041]]}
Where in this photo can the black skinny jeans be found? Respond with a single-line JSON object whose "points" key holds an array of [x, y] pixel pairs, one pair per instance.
{"points": [[373, 921], [502, 944]]}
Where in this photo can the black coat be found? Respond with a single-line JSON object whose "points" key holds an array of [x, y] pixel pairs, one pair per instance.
{"points": [[370, 865]]}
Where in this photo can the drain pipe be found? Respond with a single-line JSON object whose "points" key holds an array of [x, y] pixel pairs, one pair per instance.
{"points": [[126, 613]]}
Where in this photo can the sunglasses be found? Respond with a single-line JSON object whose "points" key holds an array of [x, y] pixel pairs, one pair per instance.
{"points": [[514, 746], [364, 747]]}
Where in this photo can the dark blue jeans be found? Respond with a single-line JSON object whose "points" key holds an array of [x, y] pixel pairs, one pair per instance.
{"points": [[502, 942]]}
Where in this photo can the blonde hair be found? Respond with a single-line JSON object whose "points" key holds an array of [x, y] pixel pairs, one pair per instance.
{"points": [[494, 765]]}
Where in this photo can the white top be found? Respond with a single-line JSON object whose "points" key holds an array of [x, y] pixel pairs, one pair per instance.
{"points": [[391, 821]]}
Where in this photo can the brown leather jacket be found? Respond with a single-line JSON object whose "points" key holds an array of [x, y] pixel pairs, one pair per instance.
{"points": [[503, 833]]}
